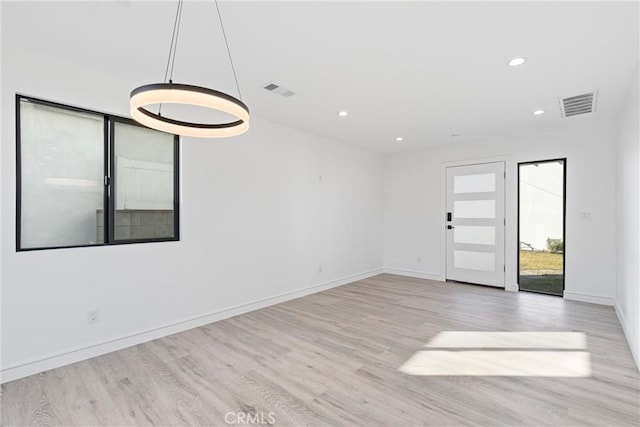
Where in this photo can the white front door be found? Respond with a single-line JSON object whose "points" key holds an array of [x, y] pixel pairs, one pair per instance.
{"points": [[475, 224]]}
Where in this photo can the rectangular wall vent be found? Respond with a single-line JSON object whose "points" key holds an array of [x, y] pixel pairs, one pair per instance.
{"points": [[282, 91], [578, 104]]}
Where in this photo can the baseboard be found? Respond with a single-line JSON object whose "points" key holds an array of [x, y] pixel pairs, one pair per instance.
{"points": [[414, 273], [584, 297], [512, 288], [633, 346], [57, 360]]}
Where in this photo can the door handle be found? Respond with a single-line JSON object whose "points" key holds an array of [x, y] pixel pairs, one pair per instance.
{"points": [[449, 227]]}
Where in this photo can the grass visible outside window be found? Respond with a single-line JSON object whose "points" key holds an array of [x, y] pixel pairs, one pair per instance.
{"points": [[541, 272], [540, 261]]}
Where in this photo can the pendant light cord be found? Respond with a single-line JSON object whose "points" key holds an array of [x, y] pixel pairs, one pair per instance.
{"points": [[226, 42], [171, 60]]}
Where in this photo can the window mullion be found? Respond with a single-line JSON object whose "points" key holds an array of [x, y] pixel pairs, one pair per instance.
{"points": [[110, 193]]}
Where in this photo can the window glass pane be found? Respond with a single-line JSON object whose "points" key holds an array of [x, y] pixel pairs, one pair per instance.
{"points": [[144, 183], [480, 183], [541, 214], [62, 170], [474, 209]]}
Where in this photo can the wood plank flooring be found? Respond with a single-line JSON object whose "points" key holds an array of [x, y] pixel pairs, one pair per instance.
{"points": [[332, 358]]}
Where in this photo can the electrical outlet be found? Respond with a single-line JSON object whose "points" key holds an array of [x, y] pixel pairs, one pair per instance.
{"points": [[419, 260], [93, 316]]}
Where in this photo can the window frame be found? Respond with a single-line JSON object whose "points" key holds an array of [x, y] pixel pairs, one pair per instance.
{"points": [[564, 222], [109, 178]]}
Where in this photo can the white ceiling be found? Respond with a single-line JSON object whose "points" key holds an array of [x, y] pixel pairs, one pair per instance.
{"points": [[420, 70]]}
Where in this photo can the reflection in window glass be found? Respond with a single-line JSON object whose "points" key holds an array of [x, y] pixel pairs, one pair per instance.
{"points": [[62, 164], [144, 179]]}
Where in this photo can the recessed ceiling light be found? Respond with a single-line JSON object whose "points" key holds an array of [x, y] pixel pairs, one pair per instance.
{"points": [[343, 113], [399, 139], [517, 61], [538, 112]]}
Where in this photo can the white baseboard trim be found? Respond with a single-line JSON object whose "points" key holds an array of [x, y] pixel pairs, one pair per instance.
{"points": [[584, 297], [414, 273], [512, 288], [633, 346], [24, 369]]}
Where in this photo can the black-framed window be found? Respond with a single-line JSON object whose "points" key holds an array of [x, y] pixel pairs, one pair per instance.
{"points": [[86, 178], [542, 206]]}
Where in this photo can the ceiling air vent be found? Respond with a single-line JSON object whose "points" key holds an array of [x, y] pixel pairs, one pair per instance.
{"points": [[282, 91], [578, 104]]}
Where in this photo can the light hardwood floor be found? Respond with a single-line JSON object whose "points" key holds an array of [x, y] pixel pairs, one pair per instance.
{"points": [[332, 358]]}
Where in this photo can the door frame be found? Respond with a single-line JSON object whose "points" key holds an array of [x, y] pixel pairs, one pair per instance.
{"points": [[508, 262], [564, 218]]}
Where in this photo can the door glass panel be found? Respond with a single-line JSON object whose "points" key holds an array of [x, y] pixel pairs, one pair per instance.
{"points": [[541, 227], [474, 209], [480, 183], [476, 235], [483, 261]]}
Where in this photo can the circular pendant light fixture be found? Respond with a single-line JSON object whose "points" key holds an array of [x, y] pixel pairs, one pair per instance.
{"points": [[173, 93]]}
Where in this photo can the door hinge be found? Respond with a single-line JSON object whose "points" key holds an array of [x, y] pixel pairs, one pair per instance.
{"points": [[504, 268], [505, 174], [504, 221]]}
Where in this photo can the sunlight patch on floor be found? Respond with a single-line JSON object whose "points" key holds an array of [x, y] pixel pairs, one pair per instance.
{"points": [[539, 354], [481, 339]]}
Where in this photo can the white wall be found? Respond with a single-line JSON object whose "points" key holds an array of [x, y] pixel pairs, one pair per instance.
{"points": [[628, 219], [414, 212], [256, 223]]}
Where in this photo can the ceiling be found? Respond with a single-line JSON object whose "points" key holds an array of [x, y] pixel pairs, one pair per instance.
{"points": [[420, 70]]}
